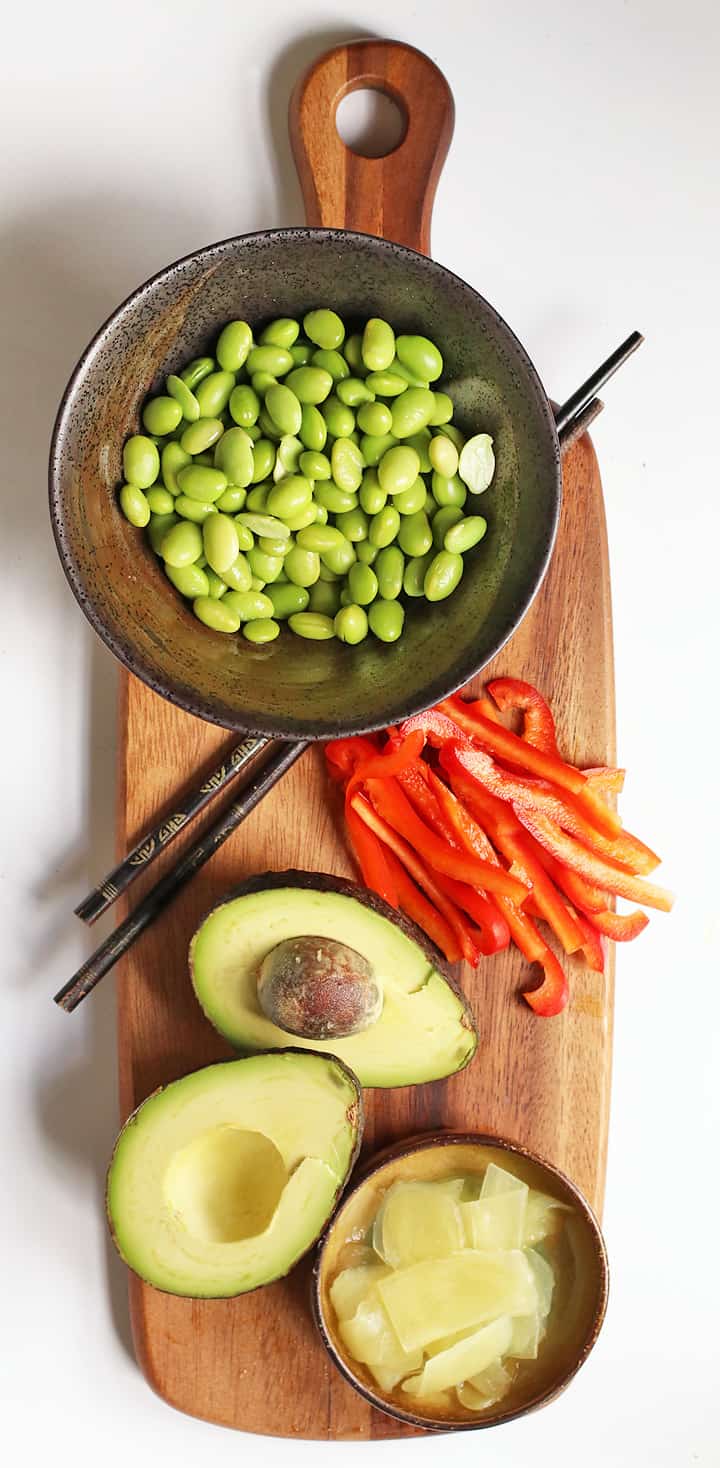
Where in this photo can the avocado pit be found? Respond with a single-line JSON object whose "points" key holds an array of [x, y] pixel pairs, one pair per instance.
{"points": [[318, 988]]}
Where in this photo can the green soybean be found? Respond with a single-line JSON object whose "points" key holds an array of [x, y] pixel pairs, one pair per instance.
{"points": [[445, 518], [414, 575], [274, 546], [287, 599], [448, 491], [239, 575], [372, 497], [179, 390], [366, 552], [443, 410], [353, 354], [200, 436], [174, 457], [353, 524], [384, 527], [162, 415], [264, 524], [246, 539], [354, 392], [331, 362], [412, 379], [307, 516], [250, 606], [141, 461], [195, 510], [347, 465], [412, 411], [200, 482], [386, 619], [158, 528], [351, 624], [442, 575], [389, 569], [197, 370], [313, 625], [325, 598], [216, 586], [463, 536], [182, 544], [265, 567], [362, 584], [244, 405], [265, 629], [409, 501], [315, 465], [257, 498], [190, 581], [320, 538], [220, 542], [233, 345], [216, 614], [287, 459], [339, 419], [325, 574], [302, 567], [213, 394], [263, 460], [282, 332], [311, 385], [415, 534], [324, 328], [453, 433], [378, 344], [261, 381], [274, 360], [160, 500], [374, 419], [443, 456], [234, 454], [398, 469], [301, 353], [386, 384], [339, 558], [313, 429], [289, 497], [373, 446], [421, 356], [284, 408], [135, 506], [232, 499], [268, 426], [337, 501]]}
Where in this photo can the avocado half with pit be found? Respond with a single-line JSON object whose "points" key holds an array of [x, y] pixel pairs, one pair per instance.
{"points": [[222, 1180], [302, 958]]}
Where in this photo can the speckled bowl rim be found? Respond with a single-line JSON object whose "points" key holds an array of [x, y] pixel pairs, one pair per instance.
{"points": [[437, 688], [421, 1143]]}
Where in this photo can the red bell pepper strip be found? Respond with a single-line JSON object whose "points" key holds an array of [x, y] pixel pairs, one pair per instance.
{"points": [[623, 850], [391, 803], [414, 903], [538, 722], [592, 945], [390, 761], [438, 728], [622, 927], [552, 995], [342, 755], [494, 933], [415, 781], [518, 850], [371, 857], [579, 859], [420, 874], [483, 806], [583, 895]]}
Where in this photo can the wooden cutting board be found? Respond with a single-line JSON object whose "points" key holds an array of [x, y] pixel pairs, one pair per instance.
{"points": [[256, 1362]]}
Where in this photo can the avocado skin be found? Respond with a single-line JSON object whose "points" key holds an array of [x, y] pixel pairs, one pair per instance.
{"points": [[356, 1119], [345, 887]]}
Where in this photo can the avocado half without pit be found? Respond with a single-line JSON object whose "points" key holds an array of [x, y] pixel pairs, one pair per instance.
{"points": [[302, 958], [221, 1181]]}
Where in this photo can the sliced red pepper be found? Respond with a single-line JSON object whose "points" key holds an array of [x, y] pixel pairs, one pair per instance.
{"points": [[538, 722], [622, 927], [623, 850], [494, 931], [342, 755], [583, 895], [518, 850], [391, 760], [592, 945], [437, 727], [552, 995], [598, 871], [415, 904], [371, 858], [482, 805], [391, 803], [418, 871], [415, 781]]}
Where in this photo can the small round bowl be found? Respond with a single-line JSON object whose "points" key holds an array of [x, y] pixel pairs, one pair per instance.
{"points": [[581, 1291]]}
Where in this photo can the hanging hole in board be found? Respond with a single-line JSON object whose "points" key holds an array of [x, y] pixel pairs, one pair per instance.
{"points": [[370, 123]]}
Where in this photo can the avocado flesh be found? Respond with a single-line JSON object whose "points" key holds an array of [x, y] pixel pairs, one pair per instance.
{"points": [[221, 1181], [424, 1031]]}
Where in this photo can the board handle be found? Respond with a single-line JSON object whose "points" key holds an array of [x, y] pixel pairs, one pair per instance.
{"points": [[390, 196]]}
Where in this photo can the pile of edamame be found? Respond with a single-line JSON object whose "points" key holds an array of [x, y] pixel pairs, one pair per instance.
{"points": [[308, 477]]}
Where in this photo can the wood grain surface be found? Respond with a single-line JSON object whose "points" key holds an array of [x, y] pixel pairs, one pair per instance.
{"points": [[256, 1362]]}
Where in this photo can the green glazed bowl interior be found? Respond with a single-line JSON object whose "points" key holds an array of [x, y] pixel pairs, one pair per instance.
{"points": [[290, 687]]}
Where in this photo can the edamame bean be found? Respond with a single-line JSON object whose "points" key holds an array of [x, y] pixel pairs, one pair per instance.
{"points": [[389, 568], [324, 328], [246, 539], [421, 356], [339, 558], [257, 583], [362, 584], [287, 460], [453, 433], [446, 517], [205, 458], [233, 345], [189, 406], [262, 630], [413, 499], [250, 606], [257, 498], [275, 360], [199, 436], [339, 419], [160, 501], [238, 575], [244, 405], [477, 463], [443, 410], [174, 457], [301, 353], [232, 499], [313, 429], [337, 501], [351, 624], [135, 505], [398, 469], [268, 568], [386, 384], [443, 456], [197, 370], [448, 491], [311, 385], [325, 598], [372, 497], [254, 432], [366, 552], [304, 517], [353, 354], [195, 510], [313, 625], [288, 599], [353, 391], [412, 411], [372, 447], [378, 344], [354, 524], [162, 415], [200, 482], [415, 534], [268, 426], [412, 379], [216, 614], [216, 587], [347, 465], [272, 546], [284, 408], [141, 461], [386, 619], [213, 393], [264, 524], [315, 465], [420, 442], [302, 567], [220, 542], [234, 455], [384, 527], [414, 575], [182, 544], [290, 497], [263, 460], [320, 538], [190, 581], [442, 575], [331, 362], [158, 528], [282, 332], [374, 419], [326, 575], [463, 536], [261, 381]]}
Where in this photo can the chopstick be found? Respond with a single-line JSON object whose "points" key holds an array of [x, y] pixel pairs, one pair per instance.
{"points": [[582, 397], [102, 960], [159, 838]]}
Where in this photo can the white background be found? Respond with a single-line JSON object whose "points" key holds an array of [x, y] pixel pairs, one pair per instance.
{"points": [[581, 197]]}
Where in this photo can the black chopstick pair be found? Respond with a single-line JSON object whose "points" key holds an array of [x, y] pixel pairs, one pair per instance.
{"points": [[117, 943]]}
